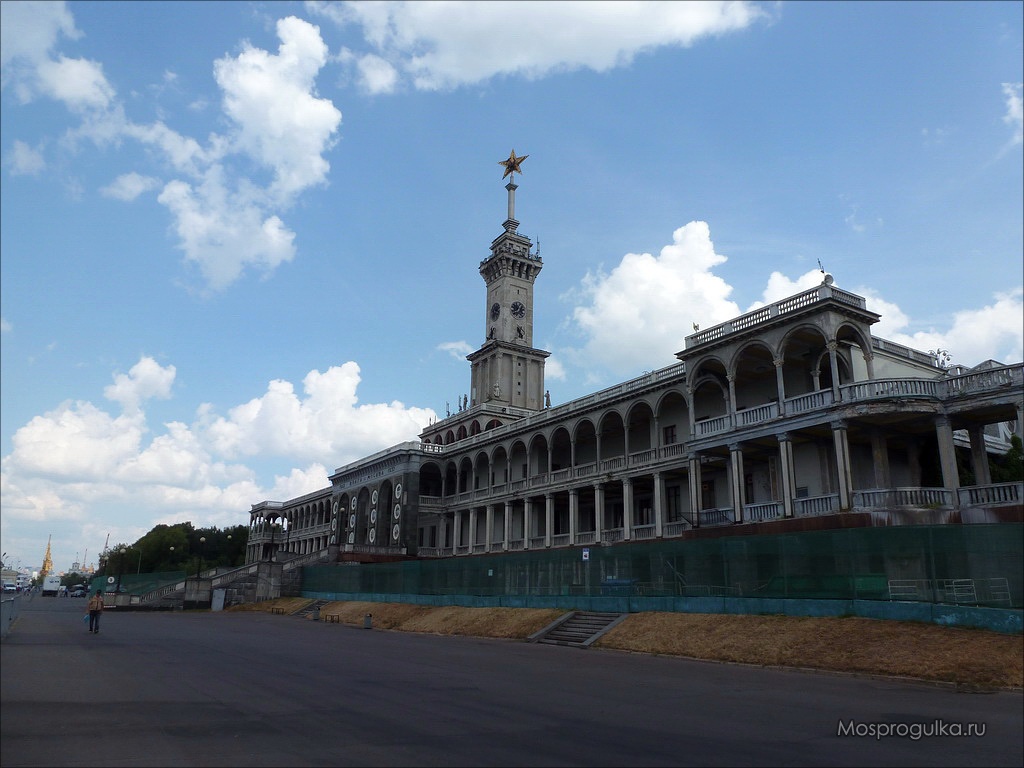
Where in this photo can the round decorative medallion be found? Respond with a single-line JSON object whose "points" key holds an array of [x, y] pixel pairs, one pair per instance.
{"points": [[373, 516], [398, 511], [398, 491], [395, 531], [373, 535], [373, 498]]}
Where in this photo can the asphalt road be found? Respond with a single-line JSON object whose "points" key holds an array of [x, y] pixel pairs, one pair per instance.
{"points": [[251, 689]]}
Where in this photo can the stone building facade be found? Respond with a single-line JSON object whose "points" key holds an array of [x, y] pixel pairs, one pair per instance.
{"points": [[791, 415]]}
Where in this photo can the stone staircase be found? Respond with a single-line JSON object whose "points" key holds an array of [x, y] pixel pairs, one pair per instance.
{"points": [[578, 629], [315, 606]]}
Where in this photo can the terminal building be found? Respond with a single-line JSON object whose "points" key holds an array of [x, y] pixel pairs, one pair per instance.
{"points": [[790, 418]]}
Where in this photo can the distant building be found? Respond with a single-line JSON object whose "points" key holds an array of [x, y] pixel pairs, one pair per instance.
{"points": [[789, 415]]}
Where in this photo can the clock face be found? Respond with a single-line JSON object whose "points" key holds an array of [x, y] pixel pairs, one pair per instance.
{"points": [[495, 310], [518, 309]]}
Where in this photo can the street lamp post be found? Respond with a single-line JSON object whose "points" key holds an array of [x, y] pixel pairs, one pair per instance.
{"points": [[120, 570], [199, 569], [202, 543]]}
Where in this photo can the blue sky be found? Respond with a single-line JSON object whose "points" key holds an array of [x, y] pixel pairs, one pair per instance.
{"points": [[240, 240]]}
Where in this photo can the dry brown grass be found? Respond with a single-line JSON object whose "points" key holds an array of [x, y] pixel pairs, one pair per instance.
{"points": [[510, 623], [868, 646], [288, 604], [971, 658]]}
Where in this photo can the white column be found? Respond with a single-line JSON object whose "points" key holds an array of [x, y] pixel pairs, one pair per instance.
{"points": [[780, 384], [736, 484], [947, 457], [627, 508], [549, 517], [979, 456], [787, 470], [694, 488], [488, 527], [527, 519], [659, 506], [598, 510], [841, 440], [508, 524], [574, 515]]}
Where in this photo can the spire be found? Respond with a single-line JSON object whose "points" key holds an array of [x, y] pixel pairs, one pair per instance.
{"points": [[511, 169], [47, 560]]}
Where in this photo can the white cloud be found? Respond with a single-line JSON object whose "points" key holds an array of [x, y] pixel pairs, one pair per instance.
{"points": [[457, 349], [297, 483], [442, 45], [79, 83], [146, 379], [639, 314], [1014, 116], [129, 186], [76, 441], [993, 332], [327, 422], [5, 325], [79, 457], [279, 120], [185, 154], [30, 30], [223, 232], [376, 75], [22, 160], [225, 221]]}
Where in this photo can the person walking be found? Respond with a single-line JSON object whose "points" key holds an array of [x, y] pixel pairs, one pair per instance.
{"points": [[95, 611]]}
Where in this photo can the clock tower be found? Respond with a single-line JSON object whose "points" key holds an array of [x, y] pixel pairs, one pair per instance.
{"points": [[507, 369]]}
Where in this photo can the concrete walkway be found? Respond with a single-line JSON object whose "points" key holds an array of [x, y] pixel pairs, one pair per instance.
{"points": [[251, 689]]}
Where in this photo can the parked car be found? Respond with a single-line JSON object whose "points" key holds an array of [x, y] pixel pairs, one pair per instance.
{"points": [[79, 592]]}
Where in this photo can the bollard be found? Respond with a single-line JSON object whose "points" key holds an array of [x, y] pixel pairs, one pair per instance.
{"points": [[316, 614], [368, 621]]}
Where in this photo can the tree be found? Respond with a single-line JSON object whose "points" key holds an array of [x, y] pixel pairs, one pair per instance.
{"points": [[178, 548], [1009, 468]]}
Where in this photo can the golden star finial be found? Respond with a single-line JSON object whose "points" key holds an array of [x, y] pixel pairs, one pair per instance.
{"points": [[512, 164]]}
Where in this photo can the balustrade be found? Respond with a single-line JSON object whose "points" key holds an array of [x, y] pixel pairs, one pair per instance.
{"points": [[674, 529], [771, 510], [999, 493], [816, 505], [643, 532], [710, 517]]}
